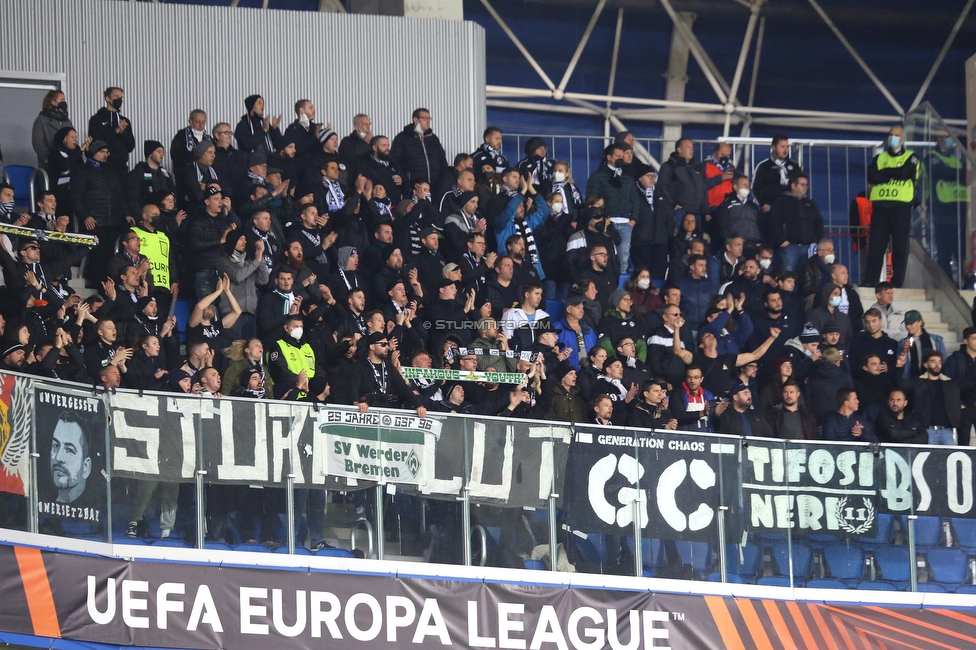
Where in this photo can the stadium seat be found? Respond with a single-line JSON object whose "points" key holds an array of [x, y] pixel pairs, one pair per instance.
{"points": [[131, 541], [827, 583], [651, 554], [802, 559], [894, 562], [696, 554], [299, 550], [878, 585], [928, 531], [949, 566], [778, 581], [931, 587], [751, 555], [334, 552], [964, 532], [171, 543], [716, 576], [966, 589], [885, 527], [535, 565], [252, 548], [555, 309], [19, 176], [846, 561]]}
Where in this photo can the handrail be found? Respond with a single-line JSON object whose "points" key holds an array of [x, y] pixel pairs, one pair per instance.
{"points": [[47, 184], [362, 523], [482, 536]]}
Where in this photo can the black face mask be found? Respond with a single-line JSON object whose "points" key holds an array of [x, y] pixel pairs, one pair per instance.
{"points": [[601, 226], [117, 103], [724, 160], [618, 162], [62, 106]]}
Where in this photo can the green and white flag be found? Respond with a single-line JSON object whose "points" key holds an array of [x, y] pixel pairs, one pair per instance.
{"points": [[448, 374]]}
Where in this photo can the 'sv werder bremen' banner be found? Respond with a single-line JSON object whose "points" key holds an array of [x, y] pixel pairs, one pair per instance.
{"points": [[125, 602]]}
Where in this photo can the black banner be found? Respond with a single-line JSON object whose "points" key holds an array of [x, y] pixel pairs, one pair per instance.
{"points": [[71, 444], [676, 480], [931, 481]]}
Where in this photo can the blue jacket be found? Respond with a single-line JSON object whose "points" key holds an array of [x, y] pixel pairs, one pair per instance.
{"points": [[907, 372], [505, 224], [838, 427], [731, 342], [568, 338], [695, 295]]}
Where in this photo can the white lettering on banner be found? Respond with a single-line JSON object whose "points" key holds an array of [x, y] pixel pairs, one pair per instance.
{"points": [[475, 640], [287, 423], [667, 486], [376, 614], [507, 626], [959, 482], [228, 469], [478, 488], [148, 436], [131, 604], [596, 636], [249, 611], [188, 408], [204, 609], [277, 614], [921, 487], [383, 447], [164, 606]]}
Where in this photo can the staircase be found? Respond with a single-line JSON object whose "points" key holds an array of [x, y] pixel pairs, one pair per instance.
{"points": [[925, 303]]}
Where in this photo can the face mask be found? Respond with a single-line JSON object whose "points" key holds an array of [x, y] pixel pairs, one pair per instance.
{"points": [[297, 333], [601, 226], [427, 195], [63, 106], [894, 141], [949, 143], [557, 208], [807, 353], [765, 264], [743, 193], [643, 283], [117, 103], [303, 120], [618, 162], [559, 177], [419, 129], [489, 175], [829, 258], [7, 207], [724, 160], [835, 301], [362, 134]]}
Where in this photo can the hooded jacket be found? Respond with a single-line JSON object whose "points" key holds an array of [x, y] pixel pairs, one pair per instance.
{"points": [[795, 219], [421, 159], [822, 317], [534, 169], [43, 140], [102, 125], [96, 192], [738, 218], [681, 182]]}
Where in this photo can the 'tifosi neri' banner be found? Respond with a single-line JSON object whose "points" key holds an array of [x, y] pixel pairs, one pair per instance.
{"points": [[111, 600]]}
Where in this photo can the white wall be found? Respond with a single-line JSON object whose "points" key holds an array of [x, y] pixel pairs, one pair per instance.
{"points": [[172, 58]]}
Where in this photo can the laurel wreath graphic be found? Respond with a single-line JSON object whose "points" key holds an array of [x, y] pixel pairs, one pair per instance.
{"points": [[850, 528]]}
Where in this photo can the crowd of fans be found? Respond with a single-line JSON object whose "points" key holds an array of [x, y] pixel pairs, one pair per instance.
{"points": [[695, 298]]}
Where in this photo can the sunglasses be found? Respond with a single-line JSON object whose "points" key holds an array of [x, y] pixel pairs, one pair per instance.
{"points": [[382, 344], [32, 248]]}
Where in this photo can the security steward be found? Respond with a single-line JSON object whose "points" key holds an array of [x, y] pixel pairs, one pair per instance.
{"points": [[291, 362], [156, 246], [893, 176]]}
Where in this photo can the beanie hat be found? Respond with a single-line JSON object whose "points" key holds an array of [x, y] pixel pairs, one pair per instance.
{"points": [[201, 149], [250, 101], [143, 302], [465, 197], [563, 369], [616, 297], [95, 147], [149, 146], [325, 134], [810, 334], [387, 251]]}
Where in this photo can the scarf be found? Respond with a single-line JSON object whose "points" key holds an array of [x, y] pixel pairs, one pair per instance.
{"points": [[94, 164], [384, 207], [193, 138], [255, 179], [345, 280], [211, 174], [288, 298], [697, 397], [522, 228], [385, 163], [648, 194], [562, 188], [59, 114], [784, 175], [507, 192], [616, 172], [335, 196], [268, 142], [495, 155], [616, 384], [50, 220], [7, 211]]}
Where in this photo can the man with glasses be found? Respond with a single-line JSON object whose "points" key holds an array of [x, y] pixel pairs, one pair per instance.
{"points": [[378, 381], [229, 163], [130, 247], [419, 151]]}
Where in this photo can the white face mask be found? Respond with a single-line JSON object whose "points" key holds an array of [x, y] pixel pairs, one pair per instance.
{"points": [[297, 333], [766, 263], [362, 134], [829, 258], [419, 129], [303, 120], [743, 193], [559, 177], [643, 283], [557, 208]]}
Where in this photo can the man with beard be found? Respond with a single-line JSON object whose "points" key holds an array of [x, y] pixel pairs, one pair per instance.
{"points": [[525, 272], [380, 168], [348, 318], [305, 280], [314, 239], [71, 463], [378, 380], [14, 357], [275, 307], [601, 273], [749, 283], [741, 419], [370, 261], [790, 420], [148, 179], [389, 274], [598, 231], [502, 291], [894, 424], [773, 316], [651, 409]]}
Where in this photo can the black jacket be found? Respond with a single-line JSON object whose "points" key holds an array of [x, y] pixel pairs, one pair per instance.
{"points": [[102, 125], [767, 181], [961, 368], [205, 234], [731, 422], [97, 193], [681, 182], [653, 227], [231, 167], [420, 159], [924, 399], [775, 418], [794, 219], [144, 185], [645, 416], [250, 135], [352, 149], [183, 145], [738, 218], [908, 430], [381, 174]]}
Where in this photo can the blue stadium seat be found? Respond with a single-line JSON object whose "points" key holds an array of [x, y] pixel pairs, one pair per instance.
{"points": [[299, 550], [218, 546], [802, 559], [931, 588], [778, 581], [878, 585], [827, 583], [894, 562], [555, 309], [928, 530], [846, 561], [751, 555], [171, 542], [697, 554], [20, 178], [964, 531], [535, 565], [252, 548], [334, 552], [966, 589], [732, 578], [950, 566], [131, 541], [885, 526], [651, 554]]}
